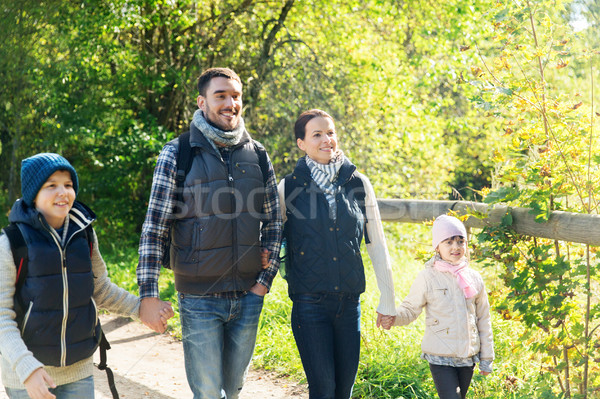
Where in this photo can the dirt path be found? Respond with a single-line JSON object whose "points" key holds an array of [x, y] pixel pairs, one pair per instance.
{"points": [[149, 365]]}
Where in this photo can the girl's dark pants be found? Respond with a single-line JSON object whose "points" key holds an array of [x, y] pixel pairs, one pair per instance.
{"points": [[327, 332], [451, 382]]}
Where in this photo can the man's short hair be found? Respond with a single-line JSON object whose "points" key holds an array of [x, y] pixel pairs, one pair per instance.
{"points": [[210, 73]]}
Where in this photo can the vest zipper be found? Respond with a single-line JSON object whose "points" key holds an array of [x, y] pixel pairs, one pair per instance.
{"points": [[65, 301], [65, 279], [26, 318]]}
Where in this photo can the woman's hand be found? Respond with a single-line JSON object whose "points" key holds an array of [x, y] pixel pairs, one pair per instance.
{"points": [[37, 385], [384, 321]]}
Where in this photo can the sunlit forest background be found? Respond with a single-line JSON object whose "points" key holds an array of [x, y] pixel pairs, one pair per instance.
{"points": [[490, 101]]}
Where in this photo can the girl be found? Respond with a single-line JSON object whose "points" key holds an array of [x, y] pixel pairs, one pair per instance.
{"points": [[458, 332], [49, 327], [327, 206]]}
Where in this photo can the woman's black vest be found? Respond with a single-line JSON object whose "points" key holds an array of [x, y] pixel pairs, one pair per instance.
{"points": [[215, 238], [56, 314], [324, 254]]}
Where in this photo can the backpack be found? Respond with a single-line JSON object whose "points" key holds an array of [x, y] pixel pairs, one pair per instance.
{"points": [[20, 253], [185, 158]]}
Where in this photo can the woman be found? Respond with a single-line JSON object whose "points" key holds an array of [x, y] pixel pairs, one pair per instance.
{"points": [[328, 206]]}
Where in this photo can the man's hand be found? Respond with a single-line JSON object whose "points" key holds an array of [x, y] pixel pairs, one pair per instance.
{"points": [[259, 289], [264, 258], [384, 321], [154, 313], [37, 385]]}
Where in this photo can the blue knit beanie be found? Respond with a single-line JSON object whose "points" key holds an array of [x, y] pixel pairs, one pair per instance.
{"points": [[37, 169]]}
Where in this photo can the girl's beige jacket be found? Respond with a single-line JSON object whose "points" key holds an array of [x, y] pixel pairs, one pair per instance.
{"points": [[454, 326]]}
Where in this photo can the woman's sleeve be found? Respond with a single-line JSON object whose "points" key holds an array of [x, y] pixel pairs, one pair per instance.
{"points": [[281, 190], [107, 294], [13, 349], [378, 251]]}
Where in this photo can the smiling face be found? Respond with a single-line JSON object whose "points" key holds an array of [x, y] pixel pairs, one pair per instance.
{"points": [[55, 198], [320, 140], [453, 249], [222, 104]]}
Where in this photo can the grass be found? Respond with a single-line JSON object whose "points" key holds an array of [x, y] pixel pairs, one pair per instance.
{"points": [[390, 364]]}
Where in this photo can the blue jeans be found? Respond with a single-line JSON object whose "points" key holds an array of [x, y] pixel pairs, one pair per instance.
{"points": [[327, 332], [75, 390], [218, 340]]}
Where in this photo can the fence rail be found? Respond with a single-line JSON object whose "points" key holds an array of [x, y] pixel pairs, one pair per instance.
{"points": [[563, 226]]}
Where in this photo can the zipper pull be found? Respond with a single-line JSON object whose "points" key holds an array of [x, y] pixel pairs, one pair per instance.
{"points": [[230, 179]]}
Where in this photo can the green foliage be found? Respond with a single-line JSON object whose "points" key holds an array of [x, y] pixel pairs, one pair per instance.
{"points": [[108, 83], [531, 78]]}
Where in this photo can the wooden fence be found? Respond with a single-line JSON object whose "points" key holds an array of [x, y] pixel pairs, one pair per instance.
{"points": [[563, 226]]}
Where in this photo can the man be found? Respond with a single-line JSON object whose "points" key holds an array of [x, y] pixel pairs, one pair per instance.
{"points": [[224, 238]]}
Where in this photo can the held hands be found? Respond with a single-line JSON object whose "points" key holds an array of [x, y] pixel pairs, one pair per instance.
{"points": [[154, 313], [37, 385], [384, 321]]}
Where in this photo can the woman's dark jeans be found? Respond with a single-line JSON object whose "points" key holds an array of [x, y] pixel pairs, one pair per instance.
{"points": [[327, 332], [451, 382]]}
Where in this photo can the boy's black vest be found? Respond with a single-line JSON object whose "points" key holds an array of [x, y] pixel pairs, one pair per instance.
{"points": [[215, 237], [55, 310], [324, 254]]}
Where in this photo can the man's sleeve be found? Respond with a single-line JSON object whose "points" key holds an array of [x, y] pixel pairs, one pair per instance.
{"points": [[155, 231], [271, 228]]}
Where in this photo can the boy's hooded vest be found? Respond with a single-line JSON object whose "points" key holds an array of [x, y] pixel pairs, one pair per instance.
{"points": [[324, 253], [56, 314], [215, 238]]}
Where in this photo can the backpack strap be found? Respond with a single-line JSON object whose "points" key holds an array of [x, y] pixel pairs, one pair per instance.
{"points": [[18, 246], [104, 346], [184, 163], [262, 160]]}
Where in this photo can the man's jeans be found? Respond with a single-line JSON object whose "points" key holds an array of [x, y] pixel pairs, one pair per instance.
{"points": [[83, 388], [218, 340], [327, 332]]}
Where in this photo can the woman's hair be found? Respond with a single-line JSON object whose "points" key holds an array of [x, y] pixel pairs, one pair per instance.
{"points": [[300, 125]]}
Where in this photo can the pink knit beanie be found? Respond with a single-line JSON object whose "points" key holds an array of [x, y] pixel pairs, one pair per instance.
{"points": [[445, 227]]}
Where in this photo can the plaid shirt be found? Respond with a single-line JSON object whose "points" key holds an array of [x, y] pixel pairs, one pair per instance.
{"points": [[155, 231]]}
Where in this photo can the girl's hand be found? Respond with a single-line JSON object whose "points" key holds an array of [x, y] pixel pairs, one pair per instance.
{"points": [[484, 372], [37, 385]]}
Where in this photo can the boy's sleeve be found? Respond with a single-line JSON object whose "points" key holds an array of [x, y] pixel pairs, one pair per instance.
{"points": [[107, 294], [13, 349]]}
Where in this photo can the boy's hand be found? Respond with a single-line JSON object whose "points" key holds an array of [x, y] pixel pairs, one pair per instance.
{"points": [[37, 385], [384, 321]]}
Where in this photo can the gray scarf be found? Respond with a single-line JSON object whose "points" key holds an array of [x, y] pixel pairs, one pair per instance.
{"points": [[325, 176], [216, 135]]}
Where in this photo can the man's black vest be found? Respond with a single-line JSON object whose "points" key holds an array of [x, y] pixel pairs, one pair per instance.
{"points": [[55, 310], [215, 238], [324, 254]]}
